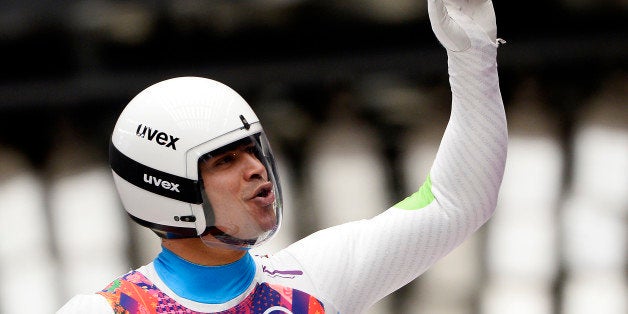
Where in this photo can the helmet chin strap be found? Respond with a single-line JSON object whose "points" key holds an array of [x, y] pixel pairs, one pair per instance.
{"points": [[227, 238]]}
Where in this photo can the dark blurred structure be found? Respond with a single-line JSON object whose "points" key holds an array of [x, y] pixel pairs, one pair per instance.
{"points": [[83, 60]]}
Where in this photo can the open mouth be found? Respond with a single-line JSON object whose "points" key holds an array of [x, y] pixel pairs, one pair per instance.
{"points": [[263, 192], [264, 195]]}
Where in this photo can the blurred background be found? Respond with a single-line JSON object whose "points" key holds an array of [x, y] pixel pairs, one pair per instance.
{"points": [[354, 96]]}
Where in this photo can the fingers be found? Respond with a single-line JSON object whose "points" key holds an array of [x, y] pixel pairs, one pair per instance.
{"points": [[447, 31], [480, 11], [446, 18], [436, 9], [465, 6], [484, 16]]}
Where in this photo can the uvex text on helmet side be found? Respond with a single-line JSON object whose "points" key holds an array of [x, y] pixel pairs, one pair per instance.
{"points": [[161, 138]]}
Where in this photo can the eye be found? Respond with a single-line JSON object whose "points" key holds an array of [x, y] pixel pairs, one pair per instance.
{"points": [[250, 149], [225, 159]]}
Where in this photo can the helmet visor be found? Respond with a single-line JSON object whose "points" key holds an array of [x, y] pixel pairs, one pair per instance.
{"points": [[242, 199]]}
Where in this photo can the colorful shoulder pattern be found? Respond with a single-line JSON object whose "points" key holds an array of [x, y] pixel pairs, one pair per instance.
{"points": [[133, 293]]}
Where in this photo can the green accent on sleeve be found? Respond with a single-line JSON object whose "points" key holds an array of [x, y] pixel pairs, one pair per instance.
{"points": [[420, 198]]}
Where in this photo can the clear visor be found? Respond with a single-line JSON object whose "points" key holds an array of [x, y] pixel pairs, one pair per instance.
{"points": [[241, 194]]}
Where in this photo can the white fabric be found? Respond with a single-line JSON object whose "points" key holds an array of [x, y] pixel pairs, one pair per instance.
{"points": [[86, 303], [352, 266]]}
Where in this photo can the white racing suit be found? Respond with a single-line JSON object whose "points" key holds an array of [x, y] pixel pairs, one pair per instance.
{"points": [[350, 267]]}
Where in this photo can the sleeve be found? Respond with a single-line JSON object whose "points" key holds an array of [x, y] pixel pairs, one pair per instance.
{"points": [[356, 264], [87, 303]]}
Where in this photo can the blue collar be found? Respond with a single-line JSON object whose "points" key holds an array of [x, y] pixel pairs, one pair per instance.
{"points": [[204, 284]]}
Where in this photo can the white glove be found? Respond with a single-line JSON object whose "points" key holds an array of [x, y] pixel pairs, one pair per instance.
{"points": [[452, 19]]}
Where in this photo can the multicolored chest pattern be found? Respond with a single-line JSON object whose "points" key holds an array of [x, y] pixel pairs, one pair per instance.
{"points": [[133, 293]]}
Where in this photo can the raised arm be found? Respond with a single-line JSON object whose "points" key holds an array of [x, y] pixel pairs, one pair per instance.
{"points": [[356, 264], [469, 166]]}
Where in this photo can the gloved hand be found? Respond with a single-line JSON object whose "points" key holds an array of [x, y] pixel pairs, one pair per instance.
{"points": [[452, 19]]}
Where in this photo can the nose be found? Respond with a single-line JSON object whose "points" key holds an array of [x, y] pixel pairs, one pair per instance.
{"points": [[253, 168]]}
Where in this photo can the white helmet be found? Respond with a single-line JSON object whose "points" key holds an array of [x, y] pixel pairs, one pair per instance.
{"points": [[156, 146]]}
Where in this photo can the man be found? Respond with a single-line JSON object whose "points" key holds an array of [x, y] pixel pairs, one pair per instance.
{"points": [[190, 161]]}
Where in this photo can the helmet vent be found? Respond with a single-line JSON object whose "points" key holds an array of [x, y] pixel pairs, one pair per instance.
{"points": [[246, 124], [185, 218]]}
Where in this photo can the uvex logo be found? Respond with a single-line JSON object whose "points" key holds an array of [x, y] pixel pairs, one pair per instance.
{"points": [[161, 138], [161, 183]]}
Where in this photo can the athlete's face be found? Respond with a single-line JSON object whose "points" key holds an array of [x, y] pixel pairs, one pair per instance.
{"points": [[236, 183]]}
